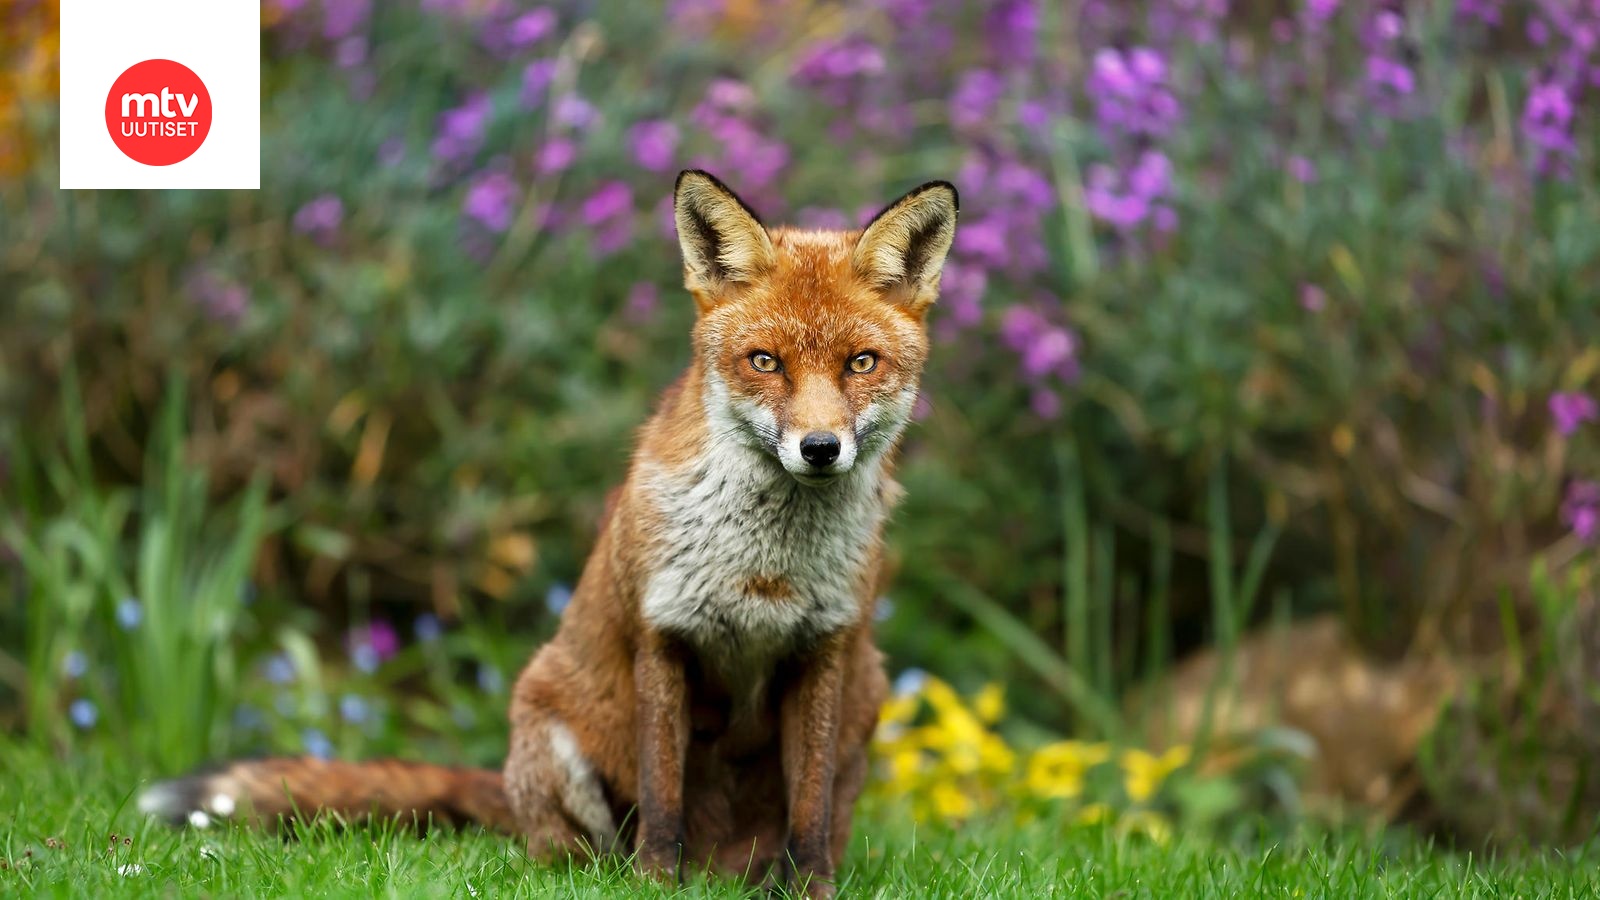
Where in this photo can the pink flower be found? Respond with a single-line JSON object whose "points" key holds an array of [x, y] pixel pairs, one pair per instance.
{"points": [[1581, 509], [1570, 410], [1313, 298]]}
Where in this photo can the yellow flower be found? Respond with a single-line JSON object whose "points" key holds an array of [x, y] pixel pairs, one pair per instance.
{"points": [[941, 696], [904, 766], [950, 802], [1094, 814], [1143, 771], [1056, 770], [995, 756], [898, 710], [990, 703], [1150, 824]]}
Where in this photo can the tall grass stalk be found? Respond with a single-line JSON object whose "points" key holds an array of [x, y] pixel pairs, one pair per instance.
{"points": [[143, 588]]}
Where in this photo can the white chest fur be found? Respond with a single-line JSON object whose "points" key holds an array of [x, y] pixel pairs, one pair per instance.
{"points": [[752, 563]]}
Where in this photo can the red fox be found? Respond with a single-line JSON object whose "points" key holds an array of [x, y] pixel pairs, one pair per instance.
{"points": [[711, 690]]}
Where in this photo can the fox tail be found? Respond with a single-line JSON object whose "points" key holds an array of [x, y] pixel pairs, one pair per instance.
{"points": [[273, 790]]}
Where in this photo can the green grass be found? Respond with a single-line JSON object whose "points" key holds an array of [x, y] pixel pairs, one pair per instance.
{"points": [[81, 802]]}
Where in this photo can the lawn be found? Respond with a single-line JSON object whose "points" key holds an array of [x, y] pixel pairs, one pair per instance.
{"points": [[58, 819]]}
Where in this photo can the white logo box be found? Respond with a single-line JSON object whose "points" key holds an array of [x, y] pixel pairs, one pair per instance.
{"points": [[219, 39]]}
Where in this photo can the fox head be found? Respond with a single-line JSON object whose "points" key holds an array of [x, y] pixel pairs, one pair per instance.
{"points": [[812, 342]]}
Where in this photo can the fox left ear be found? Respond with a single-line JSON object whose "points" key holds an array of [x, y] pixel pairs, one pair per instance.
{"points": [[723, 242], [902, 249]]}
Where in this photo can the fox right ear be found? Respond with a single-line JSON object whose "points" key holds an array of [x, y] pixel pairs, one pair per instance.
{"points": [[723, 242]]}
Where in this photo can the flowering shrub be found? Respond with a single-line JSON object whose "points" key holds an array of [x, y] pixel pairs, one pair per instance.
{"points": [[1331, 257]]}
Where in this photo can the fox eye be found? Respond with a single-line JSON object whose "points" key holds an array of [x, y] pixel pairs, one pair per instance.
{"points": [[862, 363], [762, 361]]}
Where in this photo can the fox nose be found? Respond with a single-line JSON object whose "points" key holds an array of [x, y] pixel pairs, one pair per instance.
{"points": [[819, 448]]}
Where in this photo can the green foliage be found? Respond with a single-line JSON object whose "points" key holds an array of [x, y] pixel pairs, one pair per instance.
{"points": [[130, 599], [1512, 760]]}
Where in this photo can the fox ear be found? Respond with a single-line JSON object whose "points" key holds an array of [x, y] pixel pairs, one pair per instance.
{"points": [[722, 240], [902, 249]]}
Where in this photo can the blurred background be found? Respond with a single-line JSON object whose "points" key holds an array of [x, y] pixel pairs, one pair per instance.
{"points": [[1257, 470]]}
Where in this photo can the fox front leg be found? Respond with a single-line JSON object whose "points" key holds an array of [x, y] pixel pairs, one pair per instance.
{"points": [[662, 695], [810, 734]]}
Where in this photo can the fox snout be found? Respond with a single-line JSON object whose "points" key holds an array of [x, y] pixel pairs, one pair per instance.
{"points": [[817, 456]]}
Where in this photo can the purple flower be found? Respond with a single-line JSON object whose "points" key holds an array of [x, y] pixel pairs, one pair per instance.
{"points": [[1570, 409], [530, 28], [221, 298], [836, 68], [320, 218], [1130, 93], [1547, 123], [83, 713], [643, 300], [822, 218], [985, 240], [372, 643], [491, 200], [1301, 169], [1046, 349], [654, 143], [1045, 403], [695, 17], [572, 111], [609, 212], [351, 52], [730, 95], [1126, 201], [974, 99], [1313, 298], [1580, 510], [461, 129], [1390, 78], [557, 598], [536, 78], [612, 199], [555, 156], [1318, 12], [961, 290], [1011, 30], [340, 18]]}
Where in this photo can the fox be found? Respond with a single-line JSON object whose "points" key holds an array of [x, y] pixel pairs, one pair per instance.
{"points": [[712, 687]]}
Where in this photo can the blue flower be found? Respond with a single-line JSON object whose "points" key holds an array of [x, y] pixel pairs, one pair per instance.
{"points": [[75, 664], [490, 679], [353, 708], [885, 609], [279, 669], [427, 628], [910, 682], [557, 598], [317, 743], [365, 658], [130, 613], [248, 718], [83, 713]]}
